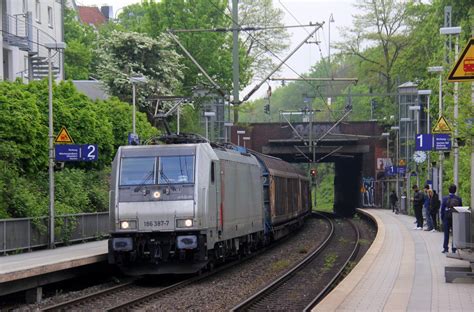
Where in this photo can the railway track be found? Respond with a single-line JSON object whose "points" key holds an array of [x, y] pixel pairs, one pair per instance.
{"points": [[301, 287]]}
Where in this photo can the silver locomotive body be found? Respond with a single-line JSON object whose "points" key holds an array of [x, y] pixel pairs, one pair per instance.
{"points": [[178, 208]]}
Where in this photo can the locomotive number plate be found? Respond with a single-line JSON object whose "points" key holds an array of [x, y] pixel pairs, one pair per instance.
{"points": [[156, 223]]}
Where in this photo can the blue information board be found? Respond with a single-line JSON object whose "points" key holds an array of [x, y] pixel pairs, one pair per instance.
{"points": [[442, 142], [423, 142], [401, 170], [74, 152]]}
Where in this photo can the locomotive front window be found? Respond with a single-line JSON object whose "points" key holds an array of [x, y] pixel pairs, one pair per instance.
{"points": [[137, 171], [176, 169]]}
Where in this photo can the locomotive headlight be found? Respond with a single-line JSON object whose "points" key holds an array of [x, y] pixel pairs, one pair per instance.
{"points": [[182, 223], [128, 224], [156, 194]]}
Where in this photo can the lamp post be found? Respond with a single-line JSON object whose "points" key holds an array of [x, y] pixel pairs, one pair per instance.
{"points": [[417, 109], [439, 69], [407, 174], [208, 115], [397, 130], [239, 132], [134, 81], [454, 31], [331, 20], [387, 136], [245, 140], [51, 46], [427, 93], [227, 126]]}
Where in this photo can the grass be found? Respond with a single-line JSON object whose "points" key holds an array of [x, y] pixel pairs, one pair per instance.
{"points": [[329, 261], [280, 265]]}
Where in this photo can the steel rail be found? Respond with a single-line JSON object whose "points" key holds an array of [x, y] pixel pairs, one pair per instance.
{"points": [[336, 278], [244, 305]]}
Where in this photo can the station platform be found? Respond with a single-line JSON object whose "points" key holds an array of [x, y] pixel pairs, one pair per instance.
{"points": [[33, 269], [403, 270]]}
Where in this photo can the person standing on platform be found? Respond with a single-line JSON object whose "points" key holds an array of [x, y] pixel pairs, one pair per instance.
{"points": [[426, 208], [450, 201], [418, 200], [393, 201], [434, 209]]}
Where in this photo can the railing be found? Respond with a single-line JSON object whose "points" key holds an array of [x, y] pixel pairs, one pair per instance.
{"points": [[25, 234]]}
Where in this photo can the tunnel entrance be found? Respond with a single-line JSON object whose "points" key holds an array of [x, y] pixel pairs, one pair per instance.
{"points": [[347, 177]]}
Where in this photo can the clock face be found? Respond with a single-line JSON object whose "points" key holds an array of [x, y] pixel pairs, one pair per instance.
{"points": [[419, 156]]}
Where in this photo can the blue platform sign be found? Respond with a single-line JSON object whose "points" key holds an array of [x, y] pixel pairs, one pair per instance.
{"points": [[391, 170], [402, 170], [442, 142], [90, 152], [423, 142], [74, 152]]}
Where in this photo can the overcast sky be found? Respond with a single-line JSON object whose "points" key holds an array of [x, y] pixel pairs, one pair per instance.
{"points": [[296, 11]]}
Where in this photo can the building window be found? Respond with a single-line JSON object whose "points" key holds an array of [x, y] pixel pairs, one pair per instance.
{"points": [[50, 17], [38, 11]]}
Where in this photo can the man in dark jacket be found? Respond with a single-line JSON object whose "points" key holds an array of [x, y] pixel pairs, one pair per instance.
{"points": [[449, 202], [418, 200], [393, 201], [434, 209]]}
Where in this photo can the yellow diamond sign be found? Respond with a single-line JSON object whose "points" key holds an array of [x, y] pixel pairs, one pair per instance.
{"points": [[464, 68], [442, 126]]}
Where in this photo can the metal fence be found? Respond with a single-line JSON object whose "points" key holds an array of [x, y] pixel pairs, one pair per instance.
{"points": [[25, 234]]}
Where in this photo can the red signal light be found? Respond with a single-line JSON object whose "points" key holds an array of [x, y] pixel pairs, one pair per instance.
{"points": [[313, 172]]}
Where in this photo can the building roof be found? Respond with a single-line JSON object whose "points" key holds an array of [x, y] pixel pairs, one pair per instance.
{"points": [[91, 15]]}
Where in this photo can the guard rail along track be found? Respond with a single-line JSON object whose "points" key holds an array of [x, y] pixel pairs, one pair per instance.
{"points": [[301, 287]]}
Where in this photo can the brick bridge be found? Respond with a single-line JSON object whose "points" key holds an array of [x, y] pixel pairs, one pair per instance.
{"points": [[354, 147]]}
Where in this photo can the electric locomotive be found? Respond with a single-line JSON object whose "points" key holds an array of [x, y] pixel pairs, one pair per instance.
{"points": [[178, 208]]}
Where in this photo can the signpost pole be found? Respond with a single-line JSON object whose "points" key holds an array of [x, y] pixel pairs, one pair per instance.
{"points": [[51, 152], [456, 113]]}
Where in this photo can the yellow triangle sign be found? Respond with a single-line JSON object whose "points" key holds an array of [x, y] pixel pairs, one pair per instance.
{"points": [[442, 126], [63, 137], [464, 68]]}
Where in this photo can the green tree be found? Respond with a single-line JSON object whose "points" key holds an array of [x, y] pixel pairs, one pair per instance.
{"points": [[79, 54], [126, 54]]}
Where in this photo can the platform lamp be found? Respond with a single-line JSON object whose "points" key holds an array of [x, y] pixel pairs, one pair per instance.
{"points": [[57, 46], [427, 93], [228, 126], [239, 132], [407, 158], [134, 81], [439, 69], [208, 115], [397, 130], [454, 31], [245, 140], [387, 136]]}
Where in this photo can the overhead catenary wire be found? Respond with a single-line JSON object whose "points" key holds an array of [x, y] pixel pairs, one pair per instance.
{"points": [[275, 55]]}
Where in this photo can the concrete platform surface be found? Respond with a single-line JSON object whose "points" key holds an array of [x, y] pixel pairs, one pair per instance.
{"points": [[40, 262], [402, 271]]}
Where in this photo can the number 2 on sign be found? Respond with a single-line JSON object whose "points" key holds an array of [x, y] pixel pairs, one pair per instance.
{"points": [[91, 149]]}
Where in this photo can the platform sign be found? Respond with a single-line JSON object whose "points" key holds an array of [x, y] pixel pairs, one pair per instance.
{"points": [[63, 137], [391, 170], [463, 70], [423, 142], [90, 152], [133, 139], [401, 170], [442, 126], [74, 152], [442, 142]]}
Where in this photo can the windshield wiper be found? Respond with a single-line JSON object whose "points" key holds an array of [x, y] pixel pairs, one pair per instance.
{"points": [[167, 181], [143, 183]]}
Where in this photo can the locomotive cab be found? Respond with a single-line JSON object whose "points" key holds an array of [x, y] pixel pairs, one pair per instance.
{"points": [[154, 218]]}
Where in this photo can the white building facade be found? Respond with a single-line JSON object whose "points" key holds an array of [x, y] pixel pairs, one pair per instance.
{"points": [[27, 27]]}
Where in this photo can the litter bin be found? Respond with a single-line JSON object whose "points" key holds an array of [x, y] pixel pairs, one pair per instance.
{"points": [[403, 204], [462, 227]]}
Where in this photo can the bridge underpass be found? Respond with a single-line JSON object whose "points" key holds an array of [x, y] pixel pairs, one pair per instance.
{"points": [[353, 147]]}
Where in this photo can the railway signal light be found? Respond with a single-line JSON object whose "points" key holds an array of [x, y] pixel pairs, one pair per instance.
{"points": [[266, 109], [313, 172]]}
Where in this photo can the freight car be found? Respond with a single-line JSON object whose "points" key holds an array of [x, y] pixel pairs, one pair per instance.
{"points": [[179, 208]]}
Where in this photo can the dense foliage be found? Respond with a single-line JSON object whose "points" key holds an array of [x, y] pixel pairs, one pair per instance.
{"points": [[80, 187]]}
